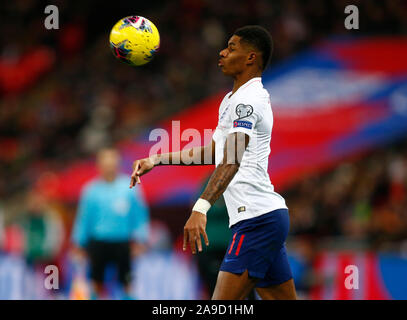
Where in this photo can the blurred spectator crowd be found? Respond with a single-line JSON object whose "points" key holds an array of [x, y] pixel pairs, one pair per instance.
{"points": [[364, 202]]}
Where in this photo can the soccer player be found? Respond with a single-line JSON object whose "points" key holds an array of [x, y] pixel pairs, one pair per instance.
{"points": [[240, 146], [112, 223]]}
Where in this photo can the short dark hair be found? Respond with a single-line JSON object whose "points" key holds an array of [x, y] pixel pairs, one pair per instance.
{"points": [[259, 38]]}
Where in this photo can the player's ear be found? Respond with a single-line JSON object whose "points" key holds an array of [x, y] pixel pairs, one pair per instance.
{"points": [[251, 58]]}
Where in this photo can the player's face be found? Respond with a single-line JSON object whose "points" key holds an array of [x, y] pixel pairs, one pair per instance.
{"points": [[232, 60], [108, 163]]}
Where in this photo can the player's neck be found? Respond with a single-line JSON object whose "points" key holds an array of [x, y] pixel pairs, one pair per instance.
{"points": [[109, 177], [242, 78]]}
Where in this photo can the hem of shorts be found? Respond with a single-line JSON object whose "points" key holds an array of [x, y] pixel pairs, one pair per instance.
{"points": [[257, 275], [255, 215], [252, 274]]}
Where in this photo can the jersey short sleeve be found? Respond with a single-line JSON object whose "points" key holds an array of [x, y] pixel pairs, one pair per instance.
{"points": [[245, 117]]}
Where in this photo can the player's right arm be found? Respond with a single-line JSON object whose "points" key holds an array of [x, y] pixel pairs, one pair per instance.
{"points": [[203, 155]]}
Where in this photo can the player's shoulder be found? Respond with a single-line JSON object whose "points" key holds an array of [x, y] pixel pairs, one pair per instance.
{"points": [[253, 94], [90, 187], [253, 89]]}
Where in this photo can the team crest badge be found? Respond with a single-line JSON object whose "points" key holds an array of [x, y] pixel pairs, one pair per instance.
{"points": [[244, 110]]}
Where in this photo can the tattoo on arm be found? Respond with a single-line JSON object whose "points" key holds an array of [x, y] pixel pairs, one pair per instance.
{"points": [[235, 146], [219, 181]]}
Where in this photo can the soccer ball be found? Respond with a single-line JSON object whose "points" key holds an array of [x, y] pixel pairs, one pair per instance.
{"points": [[134, 40]]}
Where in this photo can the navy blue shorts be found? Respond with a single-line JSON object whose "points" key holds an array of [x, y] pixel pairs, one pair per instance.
{"points": [[258, 245]]}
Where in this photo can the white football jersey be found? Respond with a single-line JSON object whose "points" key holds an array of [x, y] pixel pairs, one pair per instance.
{"points": [[250, 193]]}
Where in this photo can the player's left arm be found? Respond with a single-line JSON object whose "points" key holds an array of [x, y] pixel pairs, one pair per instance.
{"points": [[235, 145]]}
